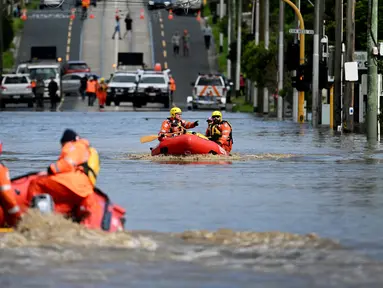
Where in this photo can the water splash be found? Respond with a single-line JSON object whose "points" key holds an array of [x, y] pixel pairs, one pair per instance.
{"points": [[207, 158], [37, 230], [229, 237]]}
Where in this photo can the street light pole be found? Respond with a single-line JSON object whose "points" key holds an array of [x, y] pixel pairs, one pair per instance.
{"points": [[280, 57], [315, 87]]}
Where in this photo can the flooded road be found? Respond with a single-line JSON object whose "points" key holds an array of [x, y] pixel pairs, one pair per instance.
{"points": [[282, 179]]}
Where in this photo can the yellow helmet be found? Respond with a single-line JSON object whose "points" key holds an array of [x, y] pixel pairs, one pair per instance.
{"points": [[216, 114], [174, 111], [102, 79]]}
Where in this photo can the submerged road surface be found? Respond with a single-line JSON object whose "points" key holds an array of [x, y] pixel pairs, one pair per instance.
{"points": [[51, 27], [282, 177], [184, 69]]}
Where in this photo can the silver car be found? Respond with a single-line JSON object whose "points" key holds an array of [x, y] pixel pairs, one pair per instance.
{"points": [[71, 82], [16, 88]]}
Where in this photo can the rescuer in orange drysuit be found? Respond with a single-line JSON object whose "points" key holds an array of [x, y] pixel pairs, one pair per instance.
{"points": [[10, 213], [68, 181], [175, 124], [220, 131]]}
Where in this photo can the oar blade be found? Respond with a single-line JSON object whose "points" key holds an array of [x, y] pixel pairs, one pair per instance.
{"points": [[148, 138], [6, 230]]}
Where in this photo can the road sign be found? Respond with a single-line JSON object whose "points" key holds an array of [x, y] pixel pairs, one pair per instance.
{"points": [[300, 31], [361, 58]]}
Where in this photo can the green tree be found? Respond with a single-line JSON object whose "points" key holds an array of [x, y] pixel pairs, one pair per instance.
{"points": [[7, 33]]}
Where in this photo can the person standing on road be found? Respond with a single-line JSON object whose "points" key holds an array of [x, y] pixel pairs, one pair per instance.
{"points": [[101, 93], [172, 86], [52, 89], [117, 28], [40, 89], [91, 88], [82, 89], [207, 35], [128, 25], [176, 39], [186, 43]]}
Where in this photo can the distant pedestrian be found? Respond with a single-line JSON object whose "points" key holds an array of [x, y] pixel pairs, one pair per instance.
{"points": [[52, 90], [242, 84], [207, 35], [83, 83], [128, 25], [117, 28], [176, 39], [40, 89], [186, 42]]}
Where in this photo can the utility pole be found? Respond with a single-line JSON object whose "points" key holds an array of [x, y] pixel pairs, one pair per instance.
{"points": [[315, 87], [239, 40], [265, 89], [229, 20], [280, 58], [348, 122], [338, 64], [295, 91], [233, 39], [220, 33], [1, 36], [372, 77], [256, 33]]}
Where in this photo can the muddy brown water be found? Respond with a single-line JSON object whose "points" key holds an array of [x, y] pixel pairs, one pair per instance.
{"points": [[293, 207]]}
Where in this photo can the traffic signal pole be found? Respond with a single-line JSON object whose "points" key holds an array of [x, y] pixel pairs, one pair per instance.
{"points": [[301, 95], [315, 82]]}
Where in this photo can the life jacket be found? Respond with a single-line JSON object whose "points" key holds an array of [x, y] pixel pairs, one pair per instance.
{"points": [[175, 125], [215, 133], [92, 166]]}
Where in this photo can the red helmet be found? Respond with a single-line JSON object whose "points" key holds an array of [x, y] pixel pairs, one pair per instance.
{"points": [[1, 147]]}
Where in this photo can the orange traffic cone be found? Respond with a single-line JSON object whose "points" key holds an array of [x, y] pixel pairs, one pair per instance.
{"points": [[199, 16], [24, 15], [72, 16], [91, 16], [142, 15], [170, 17]]}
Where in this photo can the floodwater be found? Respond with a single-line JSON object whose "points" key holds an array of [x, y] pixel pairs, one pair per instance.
{"points": [[297, 207]]}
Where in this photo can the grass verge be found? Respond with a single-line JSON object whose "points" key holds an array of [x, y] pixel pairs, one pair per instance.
{"points": [[17, 27], [241, 105]]}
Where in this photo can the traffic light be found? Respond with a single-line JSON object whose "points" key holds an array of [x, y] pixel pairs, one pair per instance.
{"points": [[302, 80], [292, 56]]}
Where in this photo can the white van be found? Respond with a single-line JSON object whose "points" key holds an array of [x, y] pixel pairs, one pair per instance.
{"points": [[46, 71]]}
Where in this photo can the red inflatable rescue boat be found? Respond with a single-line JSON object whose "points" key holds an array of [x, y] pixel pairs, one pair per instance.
{"points": [[188, 144], [109, 216]]}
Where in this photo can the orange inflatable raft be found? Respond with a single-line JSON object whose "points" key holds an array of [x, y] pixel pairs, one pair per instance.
{"points": [[188, 144], [109, 217]]}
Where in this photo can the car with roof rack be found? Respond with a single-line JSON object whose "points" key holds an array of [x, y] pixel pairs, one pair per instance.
{"points": [[209, 92], [152, 87]]}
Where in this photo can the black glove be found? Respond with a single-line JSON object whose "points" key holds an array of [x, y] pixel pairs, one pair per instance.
{"points": [[50, 172], [196, 123], [162, 135]]}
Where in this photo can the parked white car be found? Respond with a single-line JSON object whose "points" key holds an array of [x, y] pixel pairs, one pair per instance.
{"points": [[16, 88]]}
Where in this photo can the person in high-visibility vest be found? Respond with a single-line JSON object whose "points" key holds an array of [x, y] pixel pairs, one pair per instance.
{"points": [[85, 5], [91, 90], [101, 93], [172, 86]]}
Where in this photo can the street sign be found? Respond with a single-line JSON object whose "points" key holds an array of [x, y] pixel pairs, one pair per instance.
{"points": [[300, 31], [361, 58]]}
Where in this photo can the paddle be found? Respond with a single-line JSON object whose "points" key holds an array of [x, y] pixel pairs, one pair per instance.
{"points": [[150, 138], [6, 230]]}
